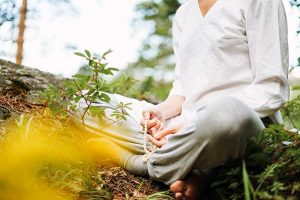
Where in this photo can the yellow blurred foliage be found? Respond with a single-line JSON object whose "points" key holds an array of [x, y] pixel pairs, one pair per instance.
{"points": [[31, 146]]}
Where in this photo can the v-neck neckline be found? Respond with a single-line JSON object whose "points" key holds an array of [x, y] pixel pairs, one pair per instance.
{"points": [[208, 13]]}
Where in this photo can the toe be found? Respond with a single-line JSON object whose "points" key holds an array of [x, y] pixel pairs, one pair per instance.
{"points": [[189, 194], [178, 195], [177, 186], [193, 189]]}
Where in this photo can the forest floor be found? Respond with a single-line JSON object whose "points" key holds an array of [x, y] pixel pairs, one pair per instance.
{"points": [[45, 154], [82, 179]]}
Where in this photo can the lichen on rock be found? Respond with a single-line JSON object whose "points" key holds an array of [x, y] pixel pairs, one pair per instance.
{"points": [[19, 85], [20, 80]]}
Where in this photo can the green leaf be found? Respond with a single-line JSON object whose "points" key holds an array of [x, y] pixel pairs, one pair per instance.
{"points": [[98, 112], [87, 53], [109, 71], [246, 182], [106, 53], [104, 97], [77, 99], [81, 76], [91, 63], [79, 54]]}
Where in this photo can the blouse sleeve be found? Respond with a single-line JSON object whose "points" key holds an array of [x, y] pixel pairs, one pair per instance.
{"points": [[266, 29], [177, 84]]}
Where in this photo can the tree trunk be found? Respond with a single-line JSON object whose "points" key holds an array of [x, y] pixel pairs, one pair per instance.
{"points": [[20, 40]]}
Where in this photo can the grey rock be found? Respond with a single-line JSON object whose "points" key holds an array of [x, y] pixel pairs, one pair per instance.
{"points": [[27, 81]]}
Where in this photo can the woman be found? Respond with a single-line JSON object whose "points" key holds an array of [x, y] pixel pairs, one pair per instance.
{"points": [[232, 65]]}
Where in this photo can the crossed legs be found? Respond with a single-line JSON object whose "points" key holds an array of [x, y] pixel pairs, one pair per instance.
{"points": [[218, 134]]}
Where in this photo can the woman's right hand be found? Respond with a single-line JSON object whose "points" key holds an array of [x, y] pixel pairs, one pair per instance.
{"points": [[156, 119], [158, 114]]}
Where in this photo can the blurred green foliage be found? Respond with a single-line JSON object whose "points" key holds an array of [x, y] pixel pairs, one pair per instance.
{"points": [[295, 3], [291, 113], [156, 60], [156, 49], [271, 170], [10, 14]]}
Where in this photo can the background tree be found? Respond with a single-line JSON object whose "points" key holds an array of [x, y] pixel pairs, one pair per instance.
{"points": [[7, 11], [296, 3], [8, 15], [20, 40], [11, 15], [157, 47], [156, 60]]}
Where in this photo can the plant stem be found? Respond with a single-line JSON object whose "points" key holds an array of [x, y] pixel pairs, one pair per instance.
{"points": [[85, 111], [291, 120]]}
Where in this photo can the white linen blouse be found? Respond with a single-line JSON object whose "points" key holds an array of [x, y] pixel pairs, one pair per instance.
{"points": [[239, 48]]}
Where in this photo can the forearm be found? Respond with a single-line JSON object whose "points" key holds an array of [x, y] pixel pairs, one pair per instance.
{"points": [[172, 106]]}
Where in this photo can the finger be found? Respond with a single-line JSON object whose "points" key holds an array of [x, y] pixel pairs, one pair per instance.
{"points": [[156, 142], [161, 127], [163, 133], [146, 115], [152, 115], [153, 131], [153, 140], [157, 125], [152, 123]]}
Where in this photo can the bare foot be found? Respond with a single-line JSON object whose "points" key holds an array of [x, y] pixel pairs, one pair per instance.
{"points": [[190, 188]]}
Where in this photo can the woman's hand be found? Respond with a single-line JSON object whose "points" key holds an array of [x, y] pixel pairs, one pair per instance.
{"points": [[156, 120], [158, 138], [158, 114]]}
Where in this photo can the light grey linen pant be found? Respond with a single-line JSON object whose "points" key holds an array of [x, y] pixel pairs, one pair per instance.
{"points": [[218, 133]]}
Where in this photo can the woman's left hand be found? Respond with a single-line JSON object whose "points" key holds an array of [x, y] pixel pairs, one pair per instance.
{"points": [[158, 138]]}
